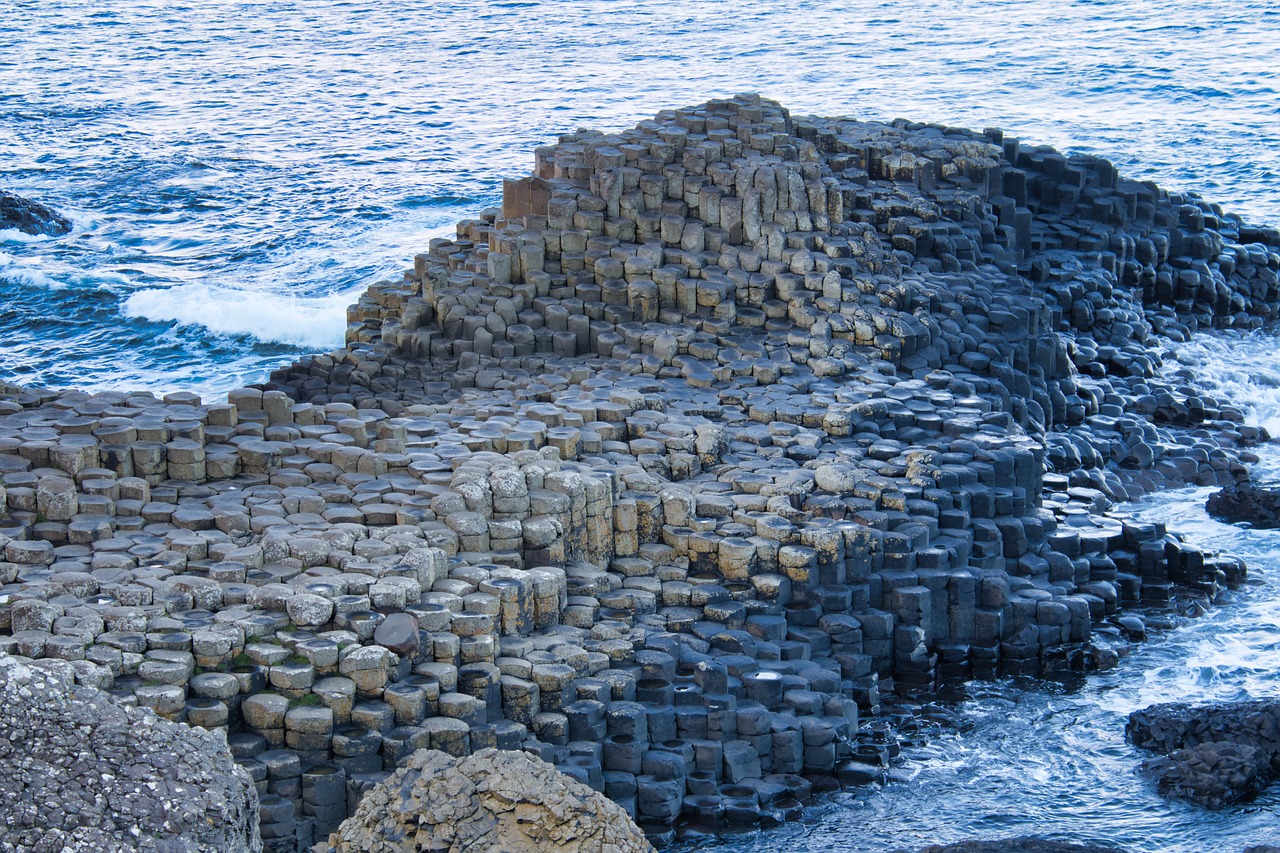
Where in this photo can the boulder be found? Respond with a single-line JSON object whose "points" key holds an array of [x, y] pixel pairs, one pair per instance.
{"points": [[493, 800], [1210, 774], [31, 217], [80, 772], [1213, 755], [1169, 726], [1246, 502]]}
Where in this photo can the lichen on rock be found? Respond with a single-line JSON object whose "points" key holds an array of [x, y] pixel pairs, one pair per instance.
{"points": [[493, 800], [79, 772]]}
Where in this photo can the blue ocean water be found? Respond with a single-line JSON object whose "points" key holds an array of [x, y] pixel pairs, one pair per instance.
{"points": [[238, 171]]}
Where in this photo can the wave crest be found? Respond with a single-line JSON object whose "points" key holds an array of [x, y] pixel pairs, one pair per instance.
{"points": [[311, 322]]}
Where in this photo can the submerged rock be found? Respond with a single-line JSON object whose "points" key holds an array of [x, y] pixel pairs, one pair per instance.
{"points": [[78, 771], [1019, 845], [31, 217], [490, 801], [1246, 502], [1214, 755]]}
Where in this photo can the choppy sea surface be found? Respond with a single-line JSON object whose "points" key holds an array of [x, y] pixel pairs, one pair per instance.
{"points": [[239, 171]]}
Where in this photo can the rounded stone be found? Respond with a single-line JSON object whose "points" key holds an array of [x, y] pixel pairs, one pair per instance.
{"points": [[308, 610]]}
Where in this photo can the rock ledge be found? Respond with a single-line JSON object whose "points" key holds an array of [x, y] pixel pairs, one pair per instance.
{"points": [[1213, 755]]}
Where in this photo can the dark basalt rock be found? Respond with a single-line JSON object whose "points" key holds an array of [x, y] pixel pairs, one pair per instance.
{"points": [[31, 217], [734, 397], [1246, 502], [1174, 725], [1214, 755], [398, 632], [1019, 845], [1212, 775]]}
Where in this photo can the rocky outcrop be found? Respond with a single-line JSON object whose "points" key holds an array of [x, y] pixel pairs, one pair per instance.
{"points": [[1246, 502], [31, 217], [503, 802], [1019, 845], [1212, 775], [78, 771], [725, 433], [1213, 755]]}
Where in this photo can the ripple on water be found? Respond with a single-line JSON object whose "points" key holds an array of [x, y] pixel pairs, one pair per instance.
{"points": [[307, 148]]}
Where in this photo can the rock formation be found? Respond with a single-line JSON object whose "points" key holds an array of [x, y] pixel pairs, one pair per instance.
{"points": [[1019, 845], [31, 217], [79, 772], [489, 802], [1214, 755], [725, 435], [1246, 502]]}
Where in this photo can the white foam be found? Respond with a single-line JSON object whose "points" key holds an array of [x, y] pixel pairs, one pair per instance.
{"points": [[13, 235], [313, 322], [1240, 369], [35, 272], [13, 269]]}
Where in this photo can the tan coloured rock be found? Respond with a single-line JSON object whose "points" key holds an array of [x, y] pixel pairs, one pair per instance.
{"points": [[490, 801]]}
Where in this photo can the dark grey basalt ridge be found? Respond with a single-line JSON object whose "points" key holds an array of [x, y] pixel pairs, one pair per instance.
{"points": [[31, 217], [1246, 502], [1019, 845], [1214, 755], [723, 437]]}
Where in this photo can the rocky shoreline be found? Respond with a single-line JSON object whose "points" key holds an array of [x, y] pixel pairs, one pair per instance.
{"points": [[723, 434]]}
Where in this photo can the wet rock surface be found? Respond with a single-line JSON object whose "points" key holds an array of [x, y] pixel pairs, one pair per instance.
{"points": [[31, 217], [1019, 845], [490, 801], [1213, 755], [1212, 775], [78, 772], [696, 470], [1246, 502]]}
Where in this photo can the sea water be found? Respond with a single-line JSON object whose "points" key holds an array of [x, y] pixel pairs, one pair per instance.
{"points": [[239, 171]]}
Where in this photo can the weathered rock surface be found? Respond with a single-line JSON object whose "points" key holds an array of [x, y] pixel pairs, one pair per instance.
{"points": [[1175, 725], [78, 771], [1246, 502], [504, 802], [1212, 775], [1213, 755], [31, 217]]}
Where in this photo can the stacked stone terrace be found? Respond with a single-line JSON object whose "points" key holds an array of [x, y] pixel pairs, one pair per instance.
{"points": [[725, 435]]}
